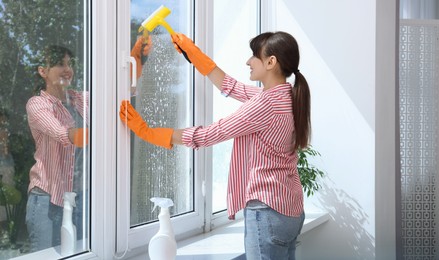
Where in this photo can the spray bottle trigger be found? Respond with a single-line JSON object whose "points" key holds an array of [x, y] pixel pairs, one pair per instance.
{"points": [[70, 197]]}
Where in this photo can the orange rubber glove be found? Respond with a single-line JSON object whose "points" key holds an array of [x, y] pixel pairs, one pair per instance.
{"points": [[79, 137], [201, 61], [141, 48], [157, 136]]}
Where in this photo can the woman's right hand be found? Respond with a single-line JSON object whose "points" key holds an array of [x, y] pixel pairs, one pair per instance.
{"points": [[201, 61], [78, 136]]}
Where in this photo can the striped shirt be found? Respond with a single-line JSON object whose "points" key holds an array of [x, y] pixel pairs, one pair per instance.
{"points": [[263, 165], [49, 122]]}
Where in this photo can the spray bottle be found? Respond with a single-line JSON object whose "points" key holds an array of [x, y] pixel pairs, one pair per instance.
{"points": [[68, 230], [162, 245]]}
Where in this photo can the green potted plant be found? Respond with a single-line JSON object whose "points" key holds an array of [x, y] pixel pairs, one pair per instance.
{"points": [[308, 173], [10, 197]]}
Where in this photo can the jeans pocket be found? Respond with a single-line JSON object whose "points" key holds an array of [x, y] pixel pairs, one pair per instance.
{"points": [[283, 229], [37, 206]]}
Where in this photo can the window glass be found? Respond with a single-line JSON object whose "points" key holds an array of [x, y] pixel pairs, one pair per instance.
{"points": [[164, 99], [43, 127], [231, 41]]}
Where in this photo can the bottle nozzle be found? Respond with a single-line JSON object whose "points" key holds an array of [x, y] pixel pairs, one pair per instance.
{"points": [[162, 202], [70, 198]]}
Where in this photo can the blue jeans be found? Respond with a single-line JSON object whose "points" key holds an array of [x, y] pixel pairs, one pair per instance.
{"points": [[44, 220], [269, 234]]}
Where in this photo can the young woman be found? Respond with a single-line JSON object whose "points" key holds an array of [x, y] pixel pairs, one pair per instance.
{"points": [[268, 129], [58, 120]]}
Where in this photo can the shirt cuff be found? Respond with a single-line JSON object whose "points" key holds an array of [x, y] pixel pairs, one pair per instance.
{"points": [[228, 85], [188, 137], [64, 138]]}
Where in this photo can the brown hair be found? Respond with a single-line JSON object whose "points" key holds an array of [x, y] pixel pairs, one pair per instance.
{"points": [[284, 47]]}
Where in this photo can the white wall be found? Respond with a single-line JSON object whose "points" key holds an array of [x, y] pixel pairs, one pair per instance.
{"points": [[337, 42]]}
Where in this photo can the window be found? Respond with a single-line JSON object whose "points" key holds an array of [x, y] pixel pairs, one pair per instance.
{"points": [[45, 81], [118, 173], [164, 98], [231, 39], [169, 96]]}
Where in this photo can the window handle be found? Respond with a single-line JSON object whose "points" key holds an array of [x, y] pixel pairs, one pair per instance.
{"points": [[130, 60], [133, 61]]}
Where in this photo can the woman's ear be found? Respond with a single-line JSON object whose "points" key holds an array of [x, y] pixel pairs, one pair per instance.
{"points": [[42, 71], [271, 62]]}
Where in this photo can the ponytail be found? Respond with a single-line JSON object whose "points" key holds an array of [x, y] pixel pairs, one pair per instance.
{"points": [[301, 111], [284, 46]]}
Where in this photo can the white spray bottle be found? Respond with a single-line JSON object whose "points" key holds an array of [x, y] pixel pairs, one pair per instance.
{"points": [[162, 245], [68, 230]]}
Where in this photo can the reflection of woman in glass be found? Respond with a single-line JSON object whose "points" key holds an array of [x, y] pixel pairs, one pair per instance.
{"points": [[58, 124], [59, 127], [268, 129]]}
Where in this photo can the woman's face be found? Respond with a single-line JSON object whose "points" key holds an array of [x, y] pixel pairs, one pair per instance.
{"points": [[257, 68], [58, 76]]}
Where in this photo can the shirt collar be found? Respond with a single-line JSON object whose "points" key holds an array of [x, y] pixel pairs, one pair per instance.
{"points": [[49, 97], [54, 99], [282, 87]]}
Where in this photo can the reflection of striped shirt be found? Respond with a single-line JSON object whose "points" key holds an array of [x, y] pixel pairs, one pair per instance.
{"points": [[49, 122], [263, 164]]}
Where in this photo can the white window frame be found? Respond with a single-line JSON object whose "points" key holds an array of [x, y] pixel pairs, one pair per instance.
{"points": [[99, 218], [206, 32], [129, 239], [103, 148]]}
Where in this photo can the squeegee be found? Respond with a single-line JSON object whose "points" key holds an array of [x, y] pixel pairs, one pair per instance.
{"points": [[155, 19]]}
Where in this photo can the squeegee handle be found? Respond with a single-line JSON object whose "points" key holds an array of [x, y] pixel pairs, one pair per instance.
{"points": [[144, 57], [185, 55]]}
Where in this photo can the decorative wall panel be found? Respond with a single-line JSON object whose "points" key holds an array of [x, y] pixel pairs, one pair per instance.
{"points": [[418, 104]]}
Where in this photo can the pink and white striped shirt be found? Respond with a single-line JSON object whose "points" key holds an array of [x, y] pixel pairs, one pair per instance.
{"points": [[263, 164], [49, 122]]}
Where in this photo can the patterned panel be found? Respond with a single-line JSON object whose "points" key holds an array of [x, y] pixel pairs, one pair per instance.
{"points": [[419, 84]]}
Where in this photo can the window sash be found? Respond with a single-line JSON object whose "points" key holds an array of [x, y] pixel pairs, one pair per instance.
{"points": [[138, 235]]}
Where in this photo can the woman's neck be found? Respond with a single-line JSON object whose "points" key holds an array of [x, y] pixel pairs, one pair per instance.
{"points": [[57, 92], [273, 82]]}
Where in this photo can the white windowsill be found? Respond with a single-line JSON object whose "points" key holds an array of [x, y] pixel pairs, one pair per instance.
{"points": [[228, 242], [54, 253], [225, 242]]}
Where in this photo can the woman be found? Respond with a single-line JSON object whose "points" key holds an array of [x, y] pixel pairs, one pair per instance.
{"points": [[59, 127], [58, 122], [268, 129]]}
